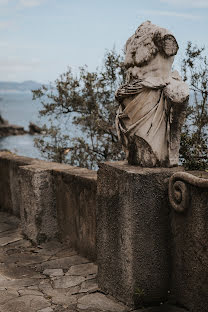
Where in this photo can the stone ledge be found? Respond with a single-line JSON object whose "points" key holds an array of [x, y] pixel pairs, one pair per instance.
{"points": [[124, 166], [43, 192]]}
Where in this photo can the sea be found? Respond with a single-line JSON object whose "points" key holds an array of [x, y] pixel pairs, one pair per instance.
{"points": [[19, 109]]}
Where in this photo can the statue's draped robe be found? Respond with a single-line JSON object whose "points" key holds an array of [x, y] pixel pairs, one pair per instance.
{"points": [[153, 101], [145, 115]]}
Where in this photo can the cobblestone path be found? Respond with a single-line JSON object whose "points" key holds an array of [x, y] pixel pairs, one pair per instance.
{"points": [[46, 278], [50, 277]]}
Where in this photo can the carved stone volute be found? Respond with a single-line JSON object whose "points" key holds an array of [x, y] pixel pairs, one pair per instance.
{"points": [[179, 185]]}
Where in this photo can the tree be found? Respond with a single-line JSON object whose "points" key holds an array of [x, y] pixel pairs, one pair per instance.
{"points": [[84, 105], [194, 138]]}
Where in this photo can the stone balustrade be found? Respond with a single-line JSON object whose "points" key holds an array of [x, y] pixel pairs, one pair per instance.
{"points": [[188, 193], [53, 200], [150, 243]]}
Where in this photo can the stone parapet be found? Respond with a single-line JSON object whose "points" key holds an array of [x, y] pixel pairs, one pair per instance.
{"points": [[9, 188], [150, 245], [52, 200], [37, 204], [188, 193], [76, 187], [133, 232]]}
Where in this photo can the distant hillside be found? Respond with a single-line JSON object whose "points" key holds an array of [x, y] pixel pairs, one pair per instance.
{"points": [[8, 86]]}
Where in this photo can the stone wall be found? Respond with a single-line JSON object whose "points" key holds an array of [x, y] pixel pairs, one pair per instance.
{"points": [[133, 232], [53, 200], [9, 191], [37, 203], [151, 245], [75, 192], [189, 226]]}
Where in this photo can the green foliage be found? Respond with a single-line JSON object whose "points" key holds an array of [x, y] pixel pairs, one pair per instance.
{"points": [[83, 104], [53, 144], [194, 138]]}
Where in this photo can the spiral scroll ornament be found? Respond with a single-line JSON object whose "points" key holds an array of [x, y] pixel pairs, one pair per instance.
{"points": [[178, 189]]}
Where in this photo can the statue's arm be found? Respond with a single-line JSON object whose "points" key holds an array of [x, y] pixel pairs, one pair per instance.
{"points": [[177, 91], [177, 95]]}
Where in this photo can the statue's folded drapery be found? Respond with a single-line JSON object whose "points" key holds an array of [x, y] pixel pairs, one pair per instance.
{"points": [[144, 118], [152, 103]]}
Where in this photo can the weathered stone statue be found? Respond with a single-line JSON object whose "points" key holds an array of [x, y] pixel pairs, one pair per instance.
{"points": [[153, 100]]}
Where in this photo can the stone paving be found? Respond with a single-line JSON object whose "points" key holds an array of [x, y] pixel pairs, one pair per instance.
{"points": [[48, 278]]}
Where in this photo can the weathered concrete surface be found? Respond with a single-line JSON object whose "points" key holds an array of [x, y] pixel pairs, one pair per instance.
{"points": [[76, 187], [37, 204], [26, 286], [9, 188], [189, 246], [40, 192], [133, 232]]}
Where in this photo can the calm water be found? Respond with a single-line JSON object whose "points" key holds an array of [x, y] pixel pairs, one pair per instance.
{"points": [[19, 109]]}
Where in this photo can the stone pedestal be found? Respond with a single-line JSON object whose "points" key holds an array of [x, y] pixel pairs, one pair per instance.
{"points": [[133, 232]]}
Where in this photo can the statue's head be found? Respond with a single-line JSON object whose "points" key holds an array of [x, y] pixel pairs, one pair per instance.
{"points": [[147, 42]]}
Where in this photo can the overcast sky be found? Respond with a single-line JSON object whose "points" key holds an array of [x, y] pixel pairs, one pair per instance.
{"points": [[40, 38]]}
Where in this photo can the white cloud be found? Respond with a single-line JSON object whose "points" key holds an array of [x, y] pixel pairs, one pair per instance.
{"points": [[188, 3], [30, 3], [170, 13]]}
